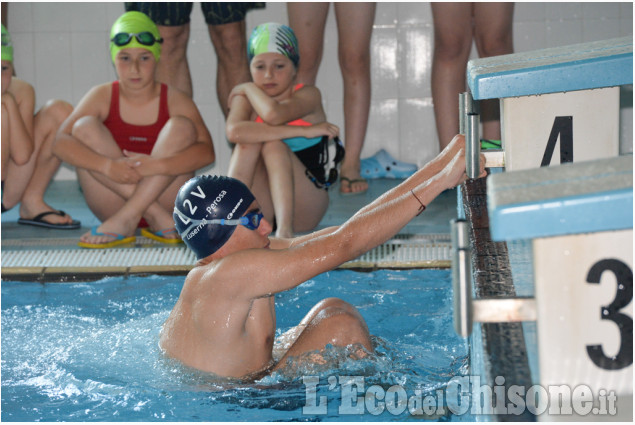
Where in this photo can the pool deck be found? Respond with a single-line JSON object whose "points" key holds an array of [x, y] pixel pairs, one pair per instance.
{"points": [[425, 236]]}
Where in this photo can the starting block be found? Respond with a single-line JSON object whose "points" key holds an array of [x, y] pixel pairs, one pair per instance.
{"points": [[580, 220], [565, 94], [566, 189]]}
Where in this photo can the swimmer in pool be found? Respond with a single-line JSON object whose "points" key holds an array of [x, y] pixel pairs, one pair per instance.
{"points": [[281, 136], [224, 321], [134, 141]]}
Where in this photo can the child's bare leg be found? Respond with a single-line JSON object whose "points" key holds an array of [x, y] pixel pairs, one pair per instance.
{"points": [[242, 164], [277, 159], [46, 123], [261, 191], [311, 202], [6, 141], [119, 206], [103, 196], [15, 172], [178, 134]]}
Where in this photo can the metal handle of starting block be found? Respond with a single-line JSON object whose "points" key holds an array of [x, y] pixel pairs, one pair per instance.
{"points": [[472, 146], [494, 158], [487, 310], [461, 278], [466, 106]]}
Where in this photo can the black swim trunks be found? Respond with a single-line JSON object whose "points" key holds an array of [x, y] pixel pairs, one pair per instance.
{"points": [[321, 161], [2, 203], [178, 13]]}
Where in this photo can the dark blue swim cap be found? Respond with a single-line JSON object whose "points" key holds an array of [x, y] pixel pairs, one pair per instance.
{"points": [[209, 198]]}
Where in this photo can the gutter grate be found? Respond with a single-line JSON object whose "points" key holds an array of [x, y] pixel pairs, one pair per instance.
{"points": [[403, 251]]}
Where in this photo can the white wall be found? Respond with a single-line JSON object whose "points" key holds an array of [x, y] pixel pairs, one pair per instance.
{"points": [[62, 49]]}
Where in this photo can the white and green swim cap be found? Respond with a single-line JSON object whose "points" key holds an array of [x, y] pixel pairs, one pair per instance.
{"points": [[135, 29], [7, 46], [273, 38]]}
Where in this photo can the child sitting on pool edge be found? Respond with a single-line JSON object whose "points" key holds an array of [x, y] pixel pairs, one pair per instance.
{"points": [[133, 141], [28, 163], [286, 152]]}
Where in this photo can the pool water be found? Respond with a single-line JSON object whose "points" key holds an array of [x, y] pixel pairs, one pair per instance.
{"points": [[89, 352]]}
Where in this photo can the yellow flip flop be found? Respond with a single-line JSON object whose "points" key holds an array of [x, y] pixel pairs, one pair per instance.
{"points": [[119, 240], [158, 236]]}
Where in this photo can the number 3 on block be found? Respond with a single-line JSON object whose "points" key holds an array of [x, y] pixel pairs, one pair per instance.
{"points": [[623, 296]]}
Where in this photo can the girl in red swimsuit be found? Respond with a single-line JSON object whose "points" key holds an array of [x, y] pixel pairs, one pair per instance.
{"points": [[278, 129], [134, 141]]}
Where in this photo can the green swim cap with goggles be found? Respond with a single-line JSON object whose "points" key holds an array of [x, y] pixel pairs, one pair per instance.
{"points": [[7, 46], [135, 29]]}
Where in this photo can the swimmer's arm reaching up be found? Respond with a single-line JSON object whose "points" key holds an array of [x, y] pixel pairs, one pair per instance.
{"points": [[427, 172], [307, 256]]}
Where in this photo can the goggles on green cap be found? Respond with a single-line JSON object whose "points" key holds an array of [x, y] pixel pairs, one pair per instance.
{"points": [[7, 46], [273, 38], [135, 29]]}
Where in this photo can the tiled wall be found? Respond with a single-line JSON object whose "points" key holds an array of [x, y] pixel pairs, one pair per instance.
{"points": [[62, 49]]}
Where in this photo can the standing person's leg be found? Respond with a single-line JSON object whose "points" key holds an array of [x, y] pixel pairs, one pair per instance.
{"points": [[493, 37], [354, 28], [46, 123], [173, 68], [452, 45], [226, 26], [5, 12], [173, 22], [230, 43], [308, 21]]}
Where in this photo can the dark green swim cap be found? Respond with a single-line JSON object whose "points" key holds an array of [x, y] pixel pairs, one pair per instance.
{"points": [[134, 22]]}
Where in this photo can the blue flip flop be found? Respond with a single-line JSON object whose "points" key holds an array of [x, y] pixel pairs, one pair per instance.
{"points": [[119, 240], [382, 165]]}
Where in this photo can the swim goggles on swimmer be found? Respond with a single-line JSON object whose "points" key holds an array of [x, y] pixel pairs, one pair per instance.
{"points": [[250, 220], [145, 38]]}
